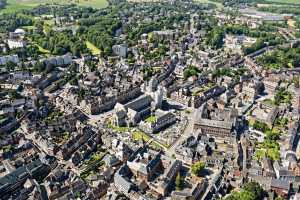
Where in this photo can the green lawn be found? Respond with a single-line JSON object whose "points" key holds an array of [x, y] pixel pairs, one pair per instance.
{"points": [[151, 119], [138, 135], [93, 48], [269, 102], [16, 5]]}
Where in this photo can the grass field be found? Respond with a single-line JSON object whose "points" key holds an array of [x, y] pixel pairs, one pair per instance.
{"points": [[15, 5], [219, 5], [93, 48], [285, 1]]}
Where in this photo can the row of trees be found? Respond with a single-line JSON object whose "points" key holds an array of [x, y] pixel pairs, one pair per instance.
{"points": [[262, 31]]}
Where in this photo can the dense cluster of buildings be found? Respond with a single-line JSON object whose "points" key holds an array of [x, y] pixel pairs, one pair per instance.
{"points": [[133, 124]]}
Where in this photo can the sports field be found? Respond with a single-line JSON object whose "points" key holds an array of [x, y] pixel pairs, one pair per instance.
{"points": [[15, 5]]}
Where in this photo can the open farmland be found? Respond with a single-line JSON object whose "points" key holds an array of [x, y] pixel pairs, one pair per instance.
{"points": [[284, 1], [15, 5]]}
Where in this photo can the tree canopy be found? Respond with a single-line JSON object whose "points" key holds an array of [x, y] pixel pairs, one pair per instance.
{"points": [[197, 168], [250, 191]]}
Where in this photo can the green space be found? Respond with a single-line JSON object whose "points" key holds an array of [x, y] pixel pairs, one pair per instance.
{"points": [[281, 121], [151, 119], [28, 28], [269, 102], [54, 115], [281, 58], [118, 128], [156, 54], [136, 135], [179, 182], [16, 5], [191, 71], [203, 88], [93, 164], [282, 96], [139, 135], [219, 5], [283, 9], [233, 73], [215, 38], [269, 147], [42, 50], [166, 146], [284, 1], [92, 48], [93, 3], [250, 191], [258, 125], [197, 168], [7, 148], [63, 138], [155, 146]]}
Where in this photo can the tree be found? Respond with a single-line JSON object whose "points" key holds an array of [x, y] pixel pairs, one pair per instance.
{"points": [[10, 66], [197, 168], [107, 50], [260, 126], [254, 188], [190, 71], [215, 38], [251, 191], [39, 67], [179, 182], [74, 81], [296, 81], [279, 198]]}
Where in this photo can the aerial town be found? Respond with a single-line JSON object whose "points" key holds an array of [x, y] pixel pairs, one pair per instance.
{"points": [[150, 100]]}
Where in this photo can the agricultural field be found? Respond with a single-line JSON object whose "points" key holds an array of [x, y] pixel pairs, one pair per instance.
{"points": [[219, 5], [15, 5], [284, 1]]}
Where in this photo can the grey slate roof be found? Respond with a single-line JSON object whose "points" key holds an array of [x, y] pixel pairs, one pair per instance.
{"points": [[280, 184]]}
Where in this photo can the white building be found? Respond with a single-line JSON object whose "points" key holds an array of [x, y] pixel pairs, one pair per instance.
{"points": [[58, 60], [235, 42], [120, 50], [14, 44]]}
